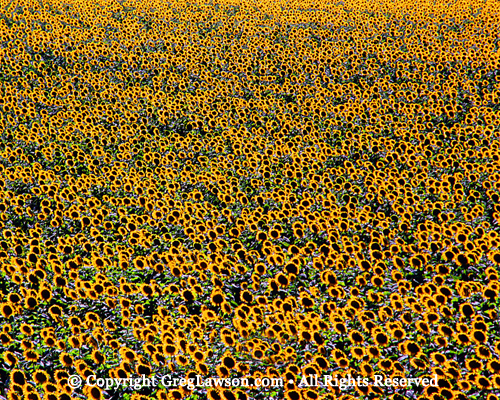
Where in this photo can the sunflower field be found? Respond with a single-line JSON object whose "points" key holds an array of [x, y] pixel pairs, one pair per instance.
{"points": [[249, 189]]}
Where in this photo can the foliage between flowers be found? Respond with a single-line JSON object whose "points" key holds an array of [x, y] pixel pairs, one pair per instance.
{"points": [[249, 189]]}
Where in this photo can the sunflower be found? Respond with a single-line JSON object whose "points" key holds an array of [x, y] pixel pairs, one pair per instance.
{"points": [[293, 395], [228, 395], [222, 371], [17, 377], [438, 358], [258, 353], [356, 337], [41, 377], [479, 337], [381, 339], [198, 356], [7, 310], [95, 393], [260, 269], [398, 333], [423, 327], [10, 358], [366, 369], [228, 362], [474, 365], [65, 359], [411, 348], [31, 355], [483, 382], [467, 310], [98, 357], [226, 308], [445, 330], [26, 329], [373, 352], [209, 315], [385, 364], [282, 280], [465, 385], [127, 354], [246, 296], [377, 281], [307, 302], [182, 360], [143, 369], [228, 339], [342, 362], [340, 328], [432, 317], [441, 341], [462, 338]]}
